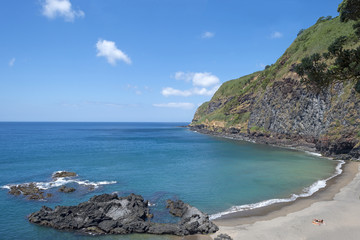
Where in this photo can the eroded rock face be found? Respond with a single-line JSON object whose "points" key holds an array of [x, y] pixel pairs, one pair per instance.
{"points": [[289, 113], [176, 208], [101, 214], [192, 219], [110, 214]]}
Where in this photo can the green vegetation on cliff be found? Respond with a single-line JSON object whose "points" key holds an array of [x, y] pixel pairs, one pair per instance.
{"points": [[299, 95], [316, 39], [342, 60]]}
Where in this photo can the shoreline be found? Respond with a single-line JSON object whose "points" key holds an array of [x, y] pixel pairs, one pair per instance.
{"points": [[271, 207], [256, 209], [287, 143], [269, 212], [337, 204], [237, 224]]}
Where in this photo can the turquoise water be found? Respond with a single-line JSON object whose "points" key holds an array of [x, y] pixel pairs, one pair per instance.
{"points": [[156, 160]]}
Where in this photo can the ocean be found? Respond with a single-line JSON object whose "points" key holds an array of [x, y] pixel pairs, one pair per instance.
{"points": [[156, 160]]}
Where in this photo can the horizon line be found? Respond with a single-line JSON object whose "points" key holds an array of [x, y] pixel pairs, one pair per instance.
{"points": [[94, 121]]}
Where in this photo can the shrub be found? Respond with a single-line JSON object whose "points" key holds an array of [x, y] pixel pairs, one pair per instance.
{"points": [[328, 18], [337, 46], [321, 19], [300, 32], [313, 70], [356, 27], [349, 10], [357, 86]]}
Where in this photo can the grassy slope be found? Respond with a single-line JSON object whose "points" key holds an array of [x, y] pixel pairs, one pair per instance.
{"points": [[315, 39]]}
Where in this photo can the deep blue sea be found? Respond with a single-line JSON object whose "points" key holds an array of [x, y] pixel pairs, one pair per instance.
{"points": [[157, 160]]}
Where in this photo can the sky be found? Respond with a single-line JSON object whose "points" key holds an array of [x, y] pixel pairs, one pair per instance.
{"points": [[137, 60]]}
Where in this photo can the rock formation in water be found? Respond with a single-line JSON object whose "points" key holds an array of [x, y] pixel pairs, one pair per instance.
{"points": [[62, 174], [60, 180], [66, 189], [30, 190], [110, 214]]}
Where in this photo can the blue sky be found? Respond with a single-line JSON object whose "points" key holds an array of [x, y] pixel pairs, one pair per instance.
{"points": [[136, 60]]}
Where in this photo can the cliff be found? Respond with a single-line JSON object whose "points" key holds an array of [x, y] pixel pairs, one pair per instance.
{"points": [[277, 106]]}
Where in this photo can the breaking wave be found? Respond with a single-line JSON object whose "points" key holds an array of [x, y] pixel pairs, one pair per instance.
{"points": [[57, 182]]}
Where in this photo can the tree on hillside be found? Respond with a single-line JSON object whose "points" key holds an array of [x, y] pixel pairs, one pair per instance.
{"points": [[313, 70], [349, 10]]}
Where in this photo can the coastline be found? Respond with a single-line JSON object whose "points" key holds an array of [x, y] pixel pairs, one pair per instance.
{"points": [[283, 142], [337, 204], [334, 185], [245, 224], [256, 209], [272, 205]]}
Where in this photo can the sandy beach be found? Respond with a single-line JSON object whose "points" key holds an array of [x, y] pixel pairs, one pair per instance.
{"points": [[338, 205]]}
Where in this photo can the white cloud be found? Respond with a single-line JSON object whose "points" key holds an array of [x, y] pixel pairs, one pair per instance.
{"points": [[206, 92], [60, 8], [205, 79], [109, 50], [183, 76], [208, 35], [183, 105], [202, 79], [12, 62], [169, 91], [275, 35]]}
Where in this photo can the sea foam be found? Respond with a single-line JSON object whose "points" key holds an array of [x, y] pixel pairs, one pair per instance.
{"points": [[57, 182], [313, 153]]}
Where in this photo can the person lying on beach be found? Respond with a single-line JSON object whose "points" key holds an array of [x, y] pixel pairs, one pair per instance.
{"points": [[318, 221]]}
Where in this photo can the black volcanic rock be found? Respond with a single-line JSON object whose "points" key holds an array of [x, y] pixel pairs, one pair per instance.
{"points": [[192, 219], [223, 237], [110, 214], [176, 208], [66, 189], [61, 174], [30, 190]]}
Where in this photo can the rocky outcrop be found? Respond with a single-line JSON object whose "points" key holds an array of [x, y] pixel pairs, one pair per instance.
{"points": [[66, 189], [59, 179], [110, 214], [288, 113], [192, 219], [62, 174], [177, 208], [30, 190], [223, 237]]}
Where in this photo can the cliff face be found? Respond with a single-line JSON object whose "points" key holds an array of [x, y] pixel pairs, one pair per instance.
{"points": [[275, 106]]}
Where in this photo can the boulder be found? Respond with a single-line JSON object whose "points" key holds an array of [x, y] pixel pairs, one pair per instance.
{"points": [[111, 214], [223, 237], [192, 219], [61, 174], [176, 208], [66, 189], [30, 190]]}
